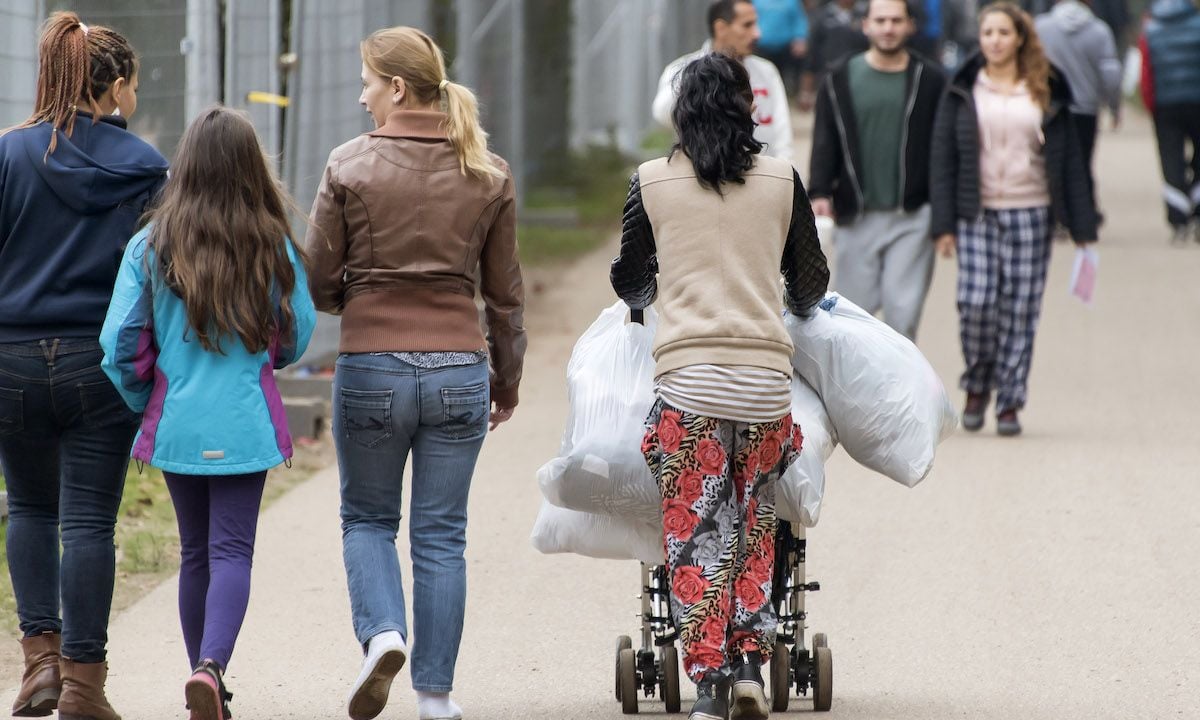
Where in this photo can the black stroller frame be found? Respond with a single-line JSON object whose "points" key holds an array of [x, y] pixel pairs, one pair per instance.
{"points": [[653, 669]]}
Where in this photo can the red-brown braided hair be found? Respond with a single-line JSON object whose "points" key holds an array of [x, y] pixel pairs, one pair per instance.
{"points": [[76, 64]]}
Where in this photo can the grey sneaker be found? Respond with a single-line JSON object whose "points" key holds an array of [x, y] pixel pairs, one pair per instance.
{"points": [[1179, 235]]}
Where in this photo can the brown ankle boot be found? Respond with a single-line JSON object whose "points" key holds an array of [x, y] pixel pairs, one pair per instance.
{"points": [[83, 692], [40, 685]]}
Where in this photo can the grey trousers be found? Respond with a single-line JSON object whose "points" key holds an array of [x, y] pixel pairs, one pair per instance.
{"points": [[885, 262]]}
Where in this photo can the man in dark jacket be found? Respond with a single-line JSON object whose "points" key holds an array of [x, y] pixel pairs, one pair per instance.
{"points": [[835, 31], [870, 168], [1171, 91]]}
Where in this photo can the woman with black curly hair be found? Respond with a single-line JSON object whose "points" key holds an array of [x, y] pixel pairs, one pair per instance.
{"points": [[707, 232]]}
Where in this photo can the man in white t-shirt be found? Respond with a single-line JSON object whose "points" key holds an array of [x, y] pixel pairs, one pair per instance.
{"points": [[733, 27]]}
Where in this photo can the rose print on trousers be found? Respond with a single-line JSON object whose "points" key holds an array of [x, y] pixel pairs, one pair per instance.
{"points": [[679, 520], [771, 450], [691, 485], [797, 438], [708, 548], [670, 432], [704, 656], [753, 461], [749, 592], [742, 479], [713, 631], [752, 514], [759, 567], [688, 584], [711, 456], [744, 641], [649, 442]]}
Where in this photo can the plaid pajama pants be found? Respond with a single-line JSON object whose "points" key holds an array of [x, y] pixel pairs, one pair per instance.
{"points": [[1003, 257]]}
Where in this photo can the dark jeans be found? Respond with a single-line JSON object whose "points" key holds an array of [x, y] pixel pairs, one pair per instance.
{"points": [[65, 436], [1175, 126], [218, 519], [1087, 127]]}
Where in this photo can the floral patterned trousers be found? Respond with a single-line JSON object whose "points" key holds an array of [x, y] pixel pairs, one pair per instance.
{"points": [[717, 479]]}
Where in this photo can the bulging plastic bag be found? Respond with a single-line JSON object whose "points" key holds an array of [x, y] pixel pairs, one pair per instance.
{"points": [[801, 487], [558, 530], [887, 405], [610, 385]]}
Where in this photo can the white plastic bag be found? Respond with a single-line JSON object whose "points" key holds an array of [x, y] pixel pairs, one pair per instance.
{"points": [[610, 386], [801, 487], [888, 406], [558, 530]]}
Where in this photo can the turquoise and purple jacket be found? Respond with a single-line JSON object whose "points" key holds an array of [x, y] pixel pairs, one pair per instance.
{"points": [[203, 413]]}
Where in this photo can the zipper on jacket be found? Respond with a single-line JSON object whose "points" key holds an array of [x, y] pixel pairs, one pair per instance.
{"points": [[837, 115], [912, 101]]}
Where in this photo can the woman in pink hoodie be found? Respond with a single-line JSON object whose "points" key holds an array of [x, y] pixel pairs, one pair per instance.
{"points": [[1006, 165]]}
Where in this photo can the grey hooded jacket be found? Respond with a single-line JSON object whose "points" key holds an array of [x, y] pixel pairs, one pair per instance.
{"points": [[1082, 47]]}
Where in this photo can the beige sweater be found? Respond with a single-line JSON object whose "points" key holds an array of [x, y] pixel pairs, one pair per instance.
{"points": [[719, 292]]}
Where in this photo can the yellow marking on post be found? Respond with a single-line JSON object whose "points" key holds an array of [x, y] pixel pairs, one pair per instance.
{"points": [[266, 98]]}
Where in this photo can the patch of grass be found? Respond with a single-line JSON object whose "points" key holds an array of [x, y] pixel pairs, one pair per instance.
{"points": [[591, 196]]}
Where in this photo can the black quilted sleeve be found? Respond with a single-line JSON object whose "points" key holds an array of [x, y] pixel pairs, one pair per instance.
{"points": [[633, 273], [804, 267]]}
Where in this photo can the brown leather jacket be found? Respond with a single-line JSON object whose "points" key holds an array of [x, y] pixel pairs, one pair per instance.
{"points": [[398, 236]]}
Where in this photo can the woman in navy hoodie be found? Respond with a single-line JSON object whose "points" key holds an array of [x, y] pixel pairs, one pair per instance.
{"points": [[73, 183]]}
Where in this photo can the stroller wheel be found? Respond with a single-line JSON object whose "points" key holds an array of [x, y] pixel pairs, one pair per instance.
{"points": [[623, 643], [627, 675], [819, 640], [670, 678], [822, 679], [781, 677]]}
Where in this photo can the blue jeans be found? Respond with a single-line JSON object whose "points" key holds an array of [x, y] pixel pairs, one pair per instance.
{"points": [[385, 409], [65, 436]]}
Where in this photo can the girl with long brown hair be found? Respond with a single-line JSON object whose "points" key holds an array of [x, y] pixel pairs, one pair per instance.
{"points": [[75, 183], [211, 298], [408, 218], [1006, 166]]}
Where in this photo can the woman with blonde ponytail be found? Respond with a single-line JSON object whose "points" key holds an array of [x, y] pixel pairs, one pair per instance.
{"points": [[75, 183], [408, 218]]}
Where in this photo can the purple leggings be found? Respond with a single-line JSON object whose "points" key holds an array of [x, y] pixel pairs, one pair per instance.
{"points": [[217, 515]]}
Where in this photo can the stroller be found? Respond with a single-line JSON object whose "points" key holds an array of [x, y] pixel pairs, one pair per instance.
{"points": [[653, 668]]}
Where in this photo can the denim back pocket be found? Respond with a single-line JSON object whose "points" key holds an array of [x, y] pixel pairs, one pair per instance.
{"points": [[101, 405], [465, 411], [12, 411], [367, 415]]}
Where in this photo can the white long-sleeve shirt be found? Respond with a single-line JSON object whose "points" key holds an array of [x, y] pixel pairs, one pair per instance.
{"points": [[772, 112]]}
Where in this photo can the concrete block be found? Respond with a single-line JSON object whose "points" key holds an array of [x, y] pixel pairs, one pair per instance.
{"points": [[307, 417]]}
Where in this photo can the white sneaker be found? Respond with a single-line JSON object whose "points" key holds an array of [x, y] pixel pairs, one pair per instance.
{"points": [[437, 706], [386, 654]]}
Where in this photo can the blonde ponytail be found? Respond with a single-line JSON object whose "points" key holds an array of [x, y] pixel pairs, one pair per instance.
{"points": [[466, 134], [410, 54]]}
